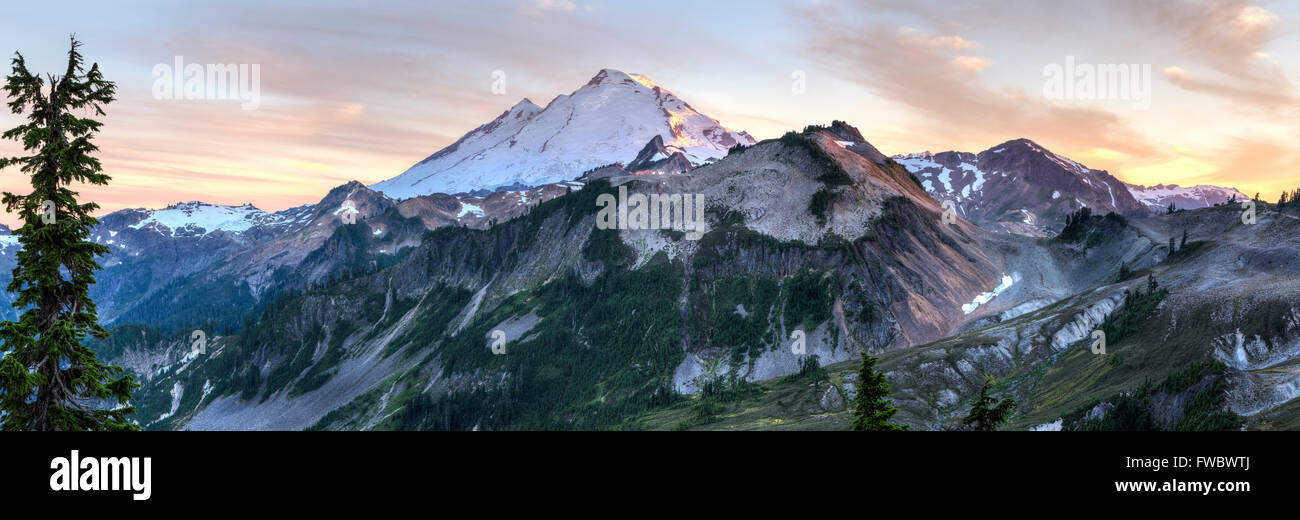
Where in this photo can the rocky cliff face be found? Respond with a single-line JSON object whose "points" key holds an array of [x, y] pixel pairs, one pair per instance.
{"points": [[657, 158], [1227, 297]]}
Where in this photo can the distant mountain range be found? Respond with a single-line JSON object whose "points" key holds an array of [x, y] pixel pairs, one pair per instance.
{"points": [[1158, 198], [384, 324], [371, 308], [614, 126], [529, 155], [1022, 187]]}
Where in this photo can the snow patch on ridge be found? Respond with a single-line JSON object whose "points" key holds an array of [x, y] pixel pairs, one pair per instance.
{"points": [[986, 297], [467, 208], [193, 218]]}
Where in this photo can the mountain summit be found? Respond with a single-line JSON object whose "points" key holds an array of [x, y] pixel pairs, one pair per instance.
{"points": [[610, 119], [1158, 197], [1019, 186]]}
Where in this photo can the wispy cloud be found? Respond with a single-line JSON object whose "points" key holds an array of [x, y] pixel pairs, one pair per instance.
{"points": [[540, 7], [1217, 83], [1226, 41], [926, 73]]}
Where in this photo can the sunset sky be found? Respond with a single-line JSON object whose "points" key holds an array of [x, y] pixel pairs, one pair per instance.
{"points": [[353, 90]]}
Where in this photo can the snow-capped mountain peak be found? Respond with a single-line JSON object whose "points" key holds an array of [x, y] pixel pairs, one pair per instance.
{"points": [[607, 120], [524, 109], [926, 155], [1018, 186], [1157, 198], [191, 218]]}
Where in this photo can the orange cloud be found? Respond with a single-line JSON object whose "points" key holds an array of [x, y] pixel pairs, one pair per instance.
{"points": [[1273, 97], [909, 68], [1226, 37], [971, 63]]}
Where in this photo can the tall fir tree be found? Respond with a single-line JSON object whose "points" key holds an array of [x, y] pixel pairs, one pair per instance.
{"points": [[984, 415], [871, 409], [49, 378]]}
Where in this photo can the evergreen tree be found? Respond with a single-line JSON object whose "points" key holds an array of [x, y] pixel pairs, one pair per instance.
{"points": [[984, 416], [1183, 244], [1171, 209], [49, 379], [1171, 244], [1151, 283], [871, 409]]}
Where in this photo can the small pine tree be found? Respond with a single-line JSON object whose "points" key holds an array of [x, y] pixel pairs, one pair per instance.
{"points": [[1171, 245], [872, 410], [1183, 244], [984, 416], [1171, 209], [1151, 283], [49, 378]]}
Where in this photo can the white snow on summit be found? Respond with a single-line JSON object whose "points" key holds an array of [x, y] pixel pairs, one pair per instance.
{"points": [[191, 218], [610, 119], [1157, 198], [915, 162]]}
